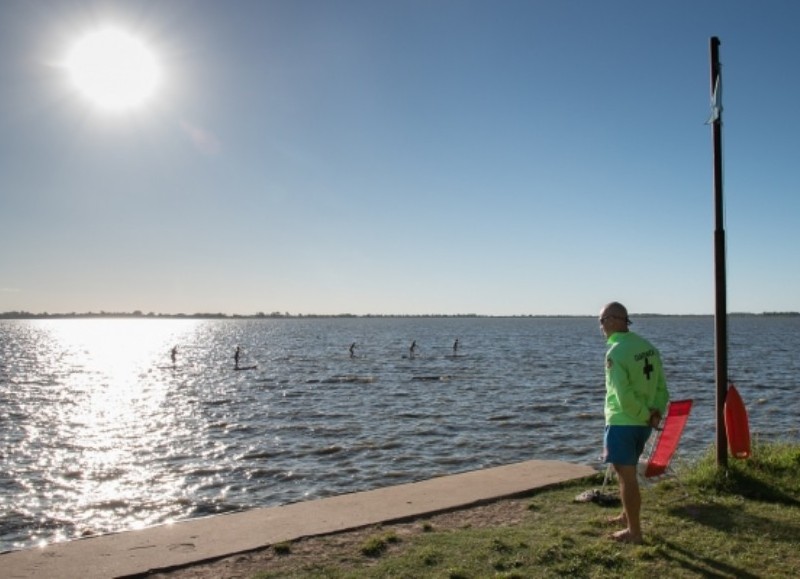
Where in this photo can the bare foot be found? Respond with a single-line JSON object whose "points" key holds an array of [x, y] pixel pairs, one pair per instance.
{"points": [[618, 520], [625, 536]]}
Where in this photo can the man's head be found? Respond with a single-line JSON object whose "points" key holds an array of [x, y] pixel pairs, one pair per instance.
{"points": [[614, 318]]}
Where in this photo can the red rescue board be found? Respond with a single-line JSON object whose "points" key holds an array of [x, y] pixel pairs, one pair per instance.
{"points": [[736, 425]]}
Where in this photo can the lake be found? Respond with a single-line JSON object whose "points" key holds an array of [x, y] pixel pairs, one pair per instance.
{"points": [[101, 432]]}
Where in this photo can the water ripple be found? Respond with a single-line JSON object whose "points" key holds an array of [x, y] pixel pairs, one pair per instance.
{"points": [[99, 432]]}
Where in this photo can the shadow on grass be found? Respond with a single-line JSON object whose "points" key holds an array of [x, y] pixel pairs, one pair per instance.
{"points": [[754, 486], [768, 476], [750, 487], [704, 566], [732, 518]]}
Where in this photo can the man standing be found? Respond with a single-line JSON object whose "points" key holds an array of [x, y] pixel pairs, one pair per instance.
{"points": [[636, 398]]}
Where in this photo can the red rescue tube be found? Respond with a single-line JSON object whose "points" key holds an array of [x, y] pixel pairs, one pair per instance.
{"points": [[736, 425]]}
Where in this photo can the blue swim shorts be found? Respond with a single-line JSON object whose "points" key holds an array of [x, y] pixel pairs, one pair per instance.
{"points": [[625, 444]]}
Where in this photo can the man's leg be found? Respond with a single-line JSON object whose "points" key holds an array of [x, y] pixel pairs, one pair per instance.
{"points": [[631, 504]]}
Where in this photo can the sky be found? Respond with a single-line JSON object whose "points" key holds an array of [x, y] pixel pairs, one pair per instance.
{"points": [[401, 157]]}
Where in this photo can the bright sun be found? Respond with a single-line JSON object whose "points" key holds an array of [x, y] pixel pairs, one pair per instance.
{"points": [[113, 69]]}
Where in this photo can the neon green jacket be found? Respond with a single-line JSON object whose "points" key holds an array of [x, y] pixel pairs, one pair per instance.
{"points": [[635, 380]]}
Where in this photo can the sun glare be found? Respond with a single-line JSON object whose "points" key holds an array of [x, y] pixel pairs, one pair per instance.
{"points": [[113, 69]]}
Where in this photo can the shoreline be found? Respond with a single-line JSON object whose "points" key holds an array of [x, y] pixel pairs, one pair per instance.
{"points": [[197, 541]]}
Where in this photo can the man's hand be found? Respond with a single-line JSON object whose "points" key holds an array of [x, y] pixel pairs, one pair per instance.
{"points": [[655, 418]]}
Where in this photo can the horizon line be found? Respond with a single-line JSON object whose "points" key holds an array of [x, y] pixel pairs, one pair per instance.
{"points": [[137, 314]]}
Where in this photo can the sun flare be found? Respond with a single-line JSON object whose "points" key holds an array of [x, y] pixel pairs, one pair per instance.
{"points": [[113, 69]]}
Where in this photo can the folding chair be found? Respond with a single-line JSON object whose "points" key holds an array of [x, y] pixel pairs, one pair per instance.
{"points": [[655, 461]]}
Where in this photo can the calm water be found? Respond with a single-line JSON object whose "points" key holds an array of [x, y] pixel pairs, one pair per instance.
{"points": [[99, 432]]}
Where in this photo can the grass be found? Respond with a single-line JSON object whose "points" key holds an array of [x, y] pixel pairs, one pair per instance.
{"points": [[377, 545], [743, 523]]}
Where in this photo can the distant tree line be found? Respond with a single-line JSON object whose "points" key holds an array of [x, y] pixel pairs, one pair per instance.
{"points": [[22, 315]]}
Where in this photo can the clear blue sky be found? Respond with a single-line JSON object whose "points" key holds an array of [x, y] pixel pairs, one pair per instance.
{"points": [[409, 156]]}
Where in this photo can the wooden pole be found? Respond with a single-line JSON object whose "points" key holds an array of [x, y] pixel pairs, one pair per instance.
{"points": [[721, 314]]}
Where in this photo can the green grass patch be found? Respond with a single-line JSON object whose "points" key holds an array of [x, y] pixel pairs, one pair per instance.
{"points": [[742, 522], [376, 545], [283, 548]]}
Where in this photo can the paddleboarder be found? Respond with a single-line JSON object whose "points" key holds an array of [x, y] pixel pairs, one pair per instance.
{"points": [[174, 354], [636, 398], [236, 356]]}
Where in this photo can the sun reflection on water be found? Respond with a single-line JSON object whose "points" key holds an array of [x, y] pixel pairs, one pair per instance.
{"points": [[117, 380]]}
